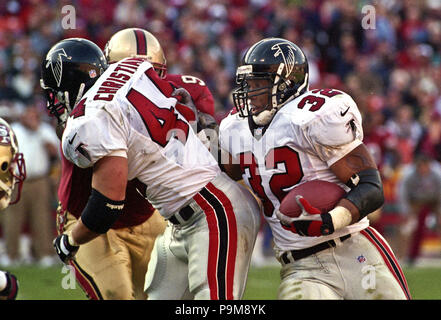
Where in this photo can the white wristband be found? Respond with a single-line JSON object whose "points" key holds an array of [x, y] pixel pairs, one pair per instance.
{"points": [[341, 217]]}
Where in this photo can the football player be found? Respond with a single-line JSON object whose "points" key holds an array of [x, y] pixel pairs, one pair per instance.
{"points": [[284, 134], [125, 125], [119, 280], [12, 175], [113, 265]]}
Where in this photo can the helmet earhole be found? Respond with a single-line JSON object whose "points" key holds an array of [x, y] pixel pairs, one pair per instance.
{"points": [[5, 166]]}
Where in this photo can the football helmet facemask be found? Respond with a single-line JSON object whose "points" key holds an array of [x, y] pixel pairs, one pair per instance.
{"points": [[284, 67], [12, 166], [136, 42], [69, 69]]}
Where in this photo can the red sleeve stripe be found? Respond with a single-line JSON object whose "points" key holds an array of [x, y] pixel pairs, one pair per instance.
{"points": [[388, 257], [164, 86], [141, 42]]}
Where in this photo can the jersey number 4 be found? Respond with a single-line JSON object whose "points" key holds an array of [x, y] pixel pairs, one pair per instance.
{"points": [[161, 123], [289, 172]]}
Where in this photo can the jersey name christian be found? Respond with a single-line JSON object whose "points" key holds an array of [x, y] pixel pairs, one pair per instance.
{"points": [[305, 137], [129, 113]]}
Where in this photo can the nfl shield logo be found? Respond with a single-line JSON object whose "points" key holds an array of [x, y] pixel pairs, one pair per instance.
{"points": [[92, 73]]}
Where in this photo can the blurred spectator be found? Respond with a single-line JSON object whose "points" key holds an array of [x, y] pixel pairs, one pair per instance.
{"points": [[420, 195], [38, 143], [407, 130], [430, 142]]}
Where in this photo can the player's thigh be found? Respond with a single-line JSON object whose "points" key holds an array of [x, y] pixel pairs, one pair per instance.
{"points": [[306, 279], [103, 266], [139, 241], [106, 267], [306, 289], [375, 271], [167, 274]]}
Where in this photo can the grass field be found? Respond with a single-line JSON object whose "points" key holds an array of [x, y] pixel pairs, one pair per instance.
{"points": [[55, 283]]}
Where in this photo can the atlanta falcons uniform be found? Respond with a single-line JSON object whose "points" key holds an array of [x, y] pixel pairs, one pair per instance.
{"points": [[107, 278], [129, 113], [305, 137]]}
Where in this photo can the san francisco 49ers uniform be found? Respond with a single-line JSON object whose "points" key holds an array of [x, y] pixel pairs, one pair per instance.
{"points": [[305, 137], [129, 113], [98, 268], [200, 94]]}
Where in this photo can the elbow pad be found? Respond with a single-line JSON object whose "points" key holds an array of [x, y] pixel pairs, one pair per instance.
{"points": [[366, 191], [101, 212]]}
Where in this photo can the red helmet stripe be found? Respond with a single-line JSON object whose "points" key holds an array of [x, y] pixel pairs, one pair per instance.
{"points": [[141, 42]]}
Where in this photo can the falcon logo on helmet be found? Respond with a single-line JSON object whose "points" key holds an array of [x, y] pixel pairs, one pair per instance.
{"points": [[71, 67], [281, 70], [288, 58], [55, 61]]}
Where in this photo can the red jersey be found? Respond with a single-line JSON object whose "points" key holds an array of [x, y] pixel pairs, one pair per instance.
{"points": [[75, 188], [201, 95], [76, 183]]}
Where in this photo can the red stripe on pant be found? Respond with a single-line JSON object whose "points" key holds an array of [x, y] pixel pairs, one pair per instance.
{"points": [[215, 236], [86, 282], [213, 245], [388, 257], [232, 241]]}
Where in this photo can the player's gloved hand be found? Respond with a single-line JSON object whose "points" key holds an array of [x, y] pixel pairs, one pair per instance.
{"points": [[65, 250], [205, 121], [11, 289], [310, 223], [184, 99]]}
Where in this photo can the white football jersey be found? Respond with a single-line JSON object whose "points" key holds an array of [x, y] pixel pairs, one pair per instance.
{"points": [[128, 113], [305, 137]]}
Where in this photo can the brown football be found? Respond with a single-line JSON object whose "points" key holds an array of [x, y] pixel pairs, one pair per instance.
{"points": [[321, 194]]}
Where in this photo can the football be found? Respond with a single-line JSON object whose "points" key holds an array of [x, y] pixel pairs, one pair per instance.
{"points": [[323, 195]]}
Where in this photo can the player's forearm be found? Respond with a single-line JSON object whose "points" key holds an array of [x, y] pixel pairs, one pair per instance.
{"points": [[81, 234]]}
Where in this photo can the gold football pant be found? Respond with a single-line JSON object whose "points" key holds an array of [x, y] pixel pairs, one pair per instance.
{"points": [[113, 265]]}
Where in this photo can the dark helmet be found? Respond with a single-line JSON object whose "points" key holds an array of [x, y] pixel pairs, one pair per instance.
{"points": [[282, 63], [70, 68]]}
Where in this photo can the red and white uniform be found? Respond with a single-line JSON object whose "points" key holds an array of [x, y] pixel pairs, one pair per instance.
{"points": [[201, 95], [304, 139], [299, 145], [73, 193], [129, 113], [135, 122]]}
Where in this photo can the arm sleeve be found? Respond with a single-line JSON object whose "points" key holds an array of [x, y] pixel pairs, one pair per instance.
{"points": [[332, 135], [88, 139]]}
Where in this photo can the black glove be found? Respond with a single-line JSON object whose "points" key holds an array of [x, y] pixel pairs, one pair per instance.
{"points": [[205, 121], [11, 289], [64, 249]]}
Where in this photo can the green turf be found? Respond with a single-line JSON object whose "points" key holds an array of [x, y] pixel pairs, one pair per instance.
{"points": [[55, 283]]}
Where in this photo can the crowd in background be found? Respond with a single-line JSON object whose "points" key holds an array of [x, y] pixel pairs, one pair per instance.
{"points": [[393, 71]]}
